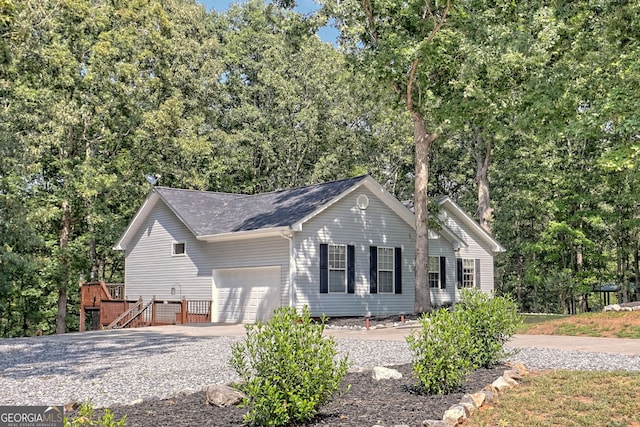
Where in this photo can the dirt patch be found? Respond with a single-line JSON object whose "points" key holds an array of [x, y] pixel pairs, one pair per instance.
{"points": [[610, 324]]}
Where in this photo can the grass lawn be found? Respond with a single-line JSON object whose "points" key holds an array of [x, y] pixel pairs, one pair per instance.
{"points": [[566, 398], [571, 398], [623, 324]]}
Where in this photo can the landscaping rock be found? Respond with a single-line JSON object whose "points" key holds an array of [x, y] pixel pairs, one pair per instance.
{"points": [[456, 414], [476, 399], [501, 384], [513, 374], [222, 396], [382, 373]]}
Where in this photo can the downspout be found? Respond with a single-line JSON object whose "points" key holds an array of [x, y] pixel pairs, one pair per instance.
{"points": [[289, 235]]}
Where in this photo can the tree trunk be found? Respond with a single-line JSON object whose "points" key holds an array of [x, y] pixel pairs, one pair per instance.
{"points": [[422, 140], [61, 324], [483, 156]]}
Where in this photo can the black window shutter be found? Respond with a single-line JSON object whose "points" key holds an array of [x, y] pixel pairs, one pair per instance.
{"points": [[459, 272], [373, 269], [397, 270], [477, 273], [324, 268], [351, 269], [443, 272]]}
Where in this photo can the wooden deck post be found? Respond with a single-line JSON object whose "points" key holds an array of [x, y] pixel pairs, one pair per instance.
{"points": [[184, 307], [153, 311], [81, 318]]}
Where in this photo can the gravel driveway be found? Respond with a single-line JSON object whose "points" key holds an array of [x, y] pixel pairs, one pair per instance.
{"points": [[117, 367]]}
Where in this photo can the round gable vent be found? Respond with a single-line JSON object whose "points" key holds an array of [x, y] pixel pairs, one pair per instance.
{"points": [[362, 201]]}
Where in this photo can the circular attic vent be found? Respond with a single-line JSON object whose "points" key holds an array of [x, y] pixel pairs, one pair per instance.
{"points": [[362, 201]]}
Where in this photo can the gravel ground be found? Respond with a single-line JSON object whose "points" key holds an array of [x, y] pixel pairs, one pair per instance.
{"points": [[120, 369]]}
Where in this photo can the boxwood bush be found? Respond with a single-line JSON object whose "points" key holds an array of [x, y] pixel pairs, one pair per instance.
{"points": [[493, 321], [452, 343], [288, 370], [440, 351]]}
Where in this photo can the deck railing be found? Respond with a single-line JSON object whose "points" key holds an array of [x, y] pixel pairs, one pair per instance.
{"points": [[116, 290]]}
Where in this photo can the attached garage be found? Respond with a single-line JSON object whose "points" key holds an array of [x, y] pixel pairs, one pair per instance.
{"points": [[245, 295]]}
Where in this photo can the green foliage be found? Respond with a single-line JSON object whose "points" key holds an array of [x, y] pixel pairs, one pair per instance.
{"points": [[287, 368], [86, 417], [493, 321], [442, 351]]}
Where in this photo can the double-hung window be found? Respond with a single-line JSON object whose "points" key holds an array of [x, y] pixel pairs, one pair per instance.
{"points": [[434, 272], [337, 268], [385, 270], [468, 273]]}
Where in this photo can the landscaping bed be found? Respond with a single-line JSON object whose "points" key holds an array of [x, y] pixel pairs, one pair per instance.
{"points": [[366, 403]]}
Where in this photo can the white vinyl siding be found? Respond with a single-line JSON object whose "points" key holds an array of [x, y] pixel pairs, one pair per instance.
{"points": [[385, 270], [345, 223], [477, 250], [152, 270]]}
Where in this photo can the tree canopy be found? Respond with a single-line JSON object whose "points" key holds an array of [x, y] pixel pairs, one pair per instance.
{"points": [[523, 112]]}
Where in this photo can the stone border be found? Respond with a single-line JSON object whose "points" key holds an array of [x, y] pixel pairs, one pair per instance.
{"points": [[470, 403]]}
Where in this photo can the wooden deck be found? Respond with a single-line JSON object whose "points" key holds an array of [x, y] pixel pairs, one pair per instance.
{"points": [[104, 305]]}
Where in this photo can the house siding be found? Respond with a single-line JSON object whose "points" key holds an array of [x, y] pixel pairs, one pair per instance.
{"points": [[344, 223], [151, 269], [477, 249], [441, 247]]}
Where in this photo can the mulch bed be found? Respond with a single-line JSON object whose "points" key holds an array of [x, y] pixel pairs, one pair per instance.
{"points": [[367, 403]]}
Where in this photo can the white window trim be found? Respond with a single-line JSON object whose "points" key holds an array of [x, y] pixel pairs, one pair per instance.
{"points": [[331, 245], [393, 269], [438, 272], [472, 262], [173, 249]]}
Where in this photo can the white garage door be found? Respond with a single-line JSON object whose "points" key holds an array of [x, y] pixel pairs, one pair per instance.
{"points": [[244, 295]]}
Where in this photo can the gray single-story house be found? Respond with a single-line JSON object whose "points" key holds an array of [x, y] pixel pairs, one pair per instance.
{"points": [[342, 248]]}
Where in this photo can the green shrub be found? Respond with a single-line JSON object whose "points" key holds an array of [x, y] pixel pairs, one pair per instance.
{"points": [[441, 351], [288, 369], [493, 321], [86, 418]]}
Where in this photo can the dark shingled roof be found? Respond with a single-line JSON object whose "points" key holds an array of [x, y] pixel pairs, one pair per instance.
{"points": [[208, 213]]}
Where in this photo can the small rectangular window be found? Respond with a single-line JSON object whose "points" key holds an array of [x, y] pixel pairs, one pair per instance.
{"points": [[337, 268], [178, 248], [385, 270]]}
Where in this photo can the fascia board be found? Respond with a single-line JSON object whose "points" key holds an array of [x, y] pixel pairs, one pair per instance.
{"points": [[136, 222], [243, 235], [462, 215]]}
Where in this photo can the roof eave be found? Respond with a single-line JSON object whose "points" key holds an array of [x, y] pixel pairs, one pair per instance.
{"points": [[493, 243], [140, 216], [246, 234]]}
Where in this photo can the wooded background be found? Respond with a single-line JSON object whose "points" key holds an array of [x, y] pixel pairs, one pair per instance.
{"points": [[525, 113]]}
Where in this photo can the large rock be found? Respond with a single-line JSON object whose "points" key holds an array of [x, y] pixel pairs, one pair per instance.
{"points": [[475, 399], [222, 396], [455, 415], [382, 373], [502, 383]]}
